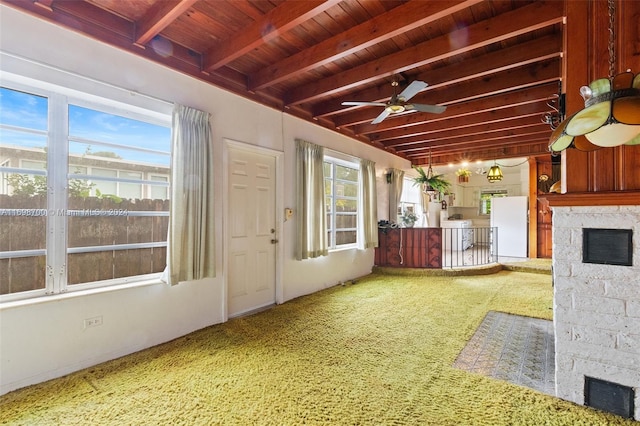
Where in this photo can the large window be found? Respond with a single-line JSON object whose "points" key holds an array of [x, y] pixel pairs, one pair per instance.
{"points": [[341, 202], [84, 192]]}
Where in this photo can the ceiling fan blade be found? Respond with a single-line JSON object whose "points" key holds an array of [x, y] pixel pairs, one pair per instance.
{"points": [[355, 103], [411, 90], [384, 114], [434, 109]]}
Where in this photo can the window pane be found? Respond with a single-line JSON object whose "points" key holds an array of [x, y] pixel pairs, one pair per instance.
{"points": [[159, 192], [346, 173], [347, 189], [346, 221], [23, 195], [341, 188], [23, 109], [105, 265], [104, 187], [119, 203], [118, 137], [22, 274], [345, 237], [95, 222], [346, 205]]}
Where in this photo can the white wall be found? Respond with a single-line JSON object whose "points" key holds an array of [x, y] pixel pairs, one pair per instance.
{"points": [[46, 339]]}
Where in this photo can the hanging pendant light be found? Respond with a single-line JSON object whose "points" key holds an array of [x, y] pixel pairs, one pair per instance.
{"points": [[611, 114], [495, 173]]}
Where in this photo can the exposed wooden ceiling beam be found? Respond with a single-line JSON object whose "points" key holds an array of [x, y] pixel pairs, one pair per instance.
{"points": [[511, 24], [383, 27], [500, 60], [281, 19], [158, 17]]}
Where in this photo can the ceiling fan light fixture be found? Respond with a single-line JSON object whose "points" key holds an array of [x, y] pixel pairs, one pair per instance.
{"points": [[395, 108]]}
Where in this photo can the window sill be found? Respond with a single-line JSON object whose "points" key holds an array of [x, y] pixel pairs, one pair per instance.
{"points": [[78, 293], [334, 250]]}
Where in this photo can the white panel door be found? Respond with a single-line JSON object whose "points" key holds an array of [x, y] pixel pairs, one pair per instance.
{"points": [[251, 236]]}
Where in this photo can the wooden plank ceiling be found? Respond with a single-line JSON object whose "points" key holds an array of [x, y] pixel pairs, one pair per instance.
{"points": [[495, 64]]}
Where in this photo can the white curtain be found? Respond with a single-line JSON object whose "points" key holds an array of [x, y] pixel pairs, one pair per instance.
{"points": [[368, 205], [311, 240], [190, 251], [395, 192]]}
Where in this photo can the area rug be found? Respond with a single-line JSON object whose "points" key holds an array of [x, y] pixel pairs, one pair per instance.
{"points": [[514, 348]]}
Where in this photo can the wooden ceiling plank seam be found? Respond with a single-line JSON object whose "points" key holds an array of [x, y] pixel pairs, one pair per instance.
{"points": [[509, 25], [382, 27], [527, 53], [280, 19], [157, 18], [247, 8]]}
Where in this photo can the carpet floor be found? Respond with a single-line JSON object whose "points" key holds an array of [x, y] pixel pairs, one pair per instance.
{"points": [[378, 352]]}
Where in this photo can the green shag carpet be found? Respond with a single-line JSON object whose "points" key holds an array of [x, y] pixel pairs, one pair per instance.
{"points": [[378, 352]]}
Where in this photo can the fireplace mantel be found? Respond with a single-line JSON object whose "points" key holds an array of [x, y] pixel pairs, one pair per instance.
{"points": [[603, 198]]}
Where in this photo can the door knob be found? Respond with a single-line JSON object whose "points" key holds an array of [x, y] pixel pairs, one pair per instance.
{"points": [[274, 241]]}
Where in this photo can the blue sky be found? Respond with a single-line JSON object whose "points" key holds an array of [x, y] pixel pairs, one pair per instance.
{"points": [[30, 111]]}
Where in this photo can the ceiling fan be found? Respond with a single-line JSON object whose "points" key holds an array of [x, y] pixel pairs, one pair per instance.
{"points": [[398, 102]]}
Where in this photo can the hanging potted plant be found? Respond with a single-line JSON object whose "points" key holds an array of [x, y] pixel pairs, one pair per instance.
{"points": [[463, 175], [430, 183]]}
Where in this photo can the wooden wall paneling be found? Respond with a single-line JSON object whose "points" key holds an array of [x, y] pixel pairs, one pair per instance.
{"points": [[586, 38]]}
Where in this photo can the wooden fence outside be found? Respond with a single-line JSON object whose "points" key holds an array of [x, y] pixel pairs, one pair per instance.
{"points": [[91, 221]]}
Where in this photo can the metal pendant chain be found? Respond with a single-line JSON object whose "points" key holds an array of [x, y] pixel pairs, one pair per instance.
{"points": [[612, 54]]}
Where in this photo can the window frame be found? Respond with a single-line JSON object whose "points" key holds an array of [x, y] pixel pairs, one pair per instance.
{"points": [[334, 161], [59, 98]]}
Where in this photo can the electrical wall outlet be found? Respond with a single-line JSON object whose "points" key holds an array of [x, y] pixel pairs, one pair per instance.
{"points": [[93, 322]]}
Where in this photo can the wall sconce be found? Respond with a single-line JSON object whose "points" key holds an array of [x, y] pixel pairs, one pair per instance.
{"points": [[556, 103], [387, 176], [495, 173]]}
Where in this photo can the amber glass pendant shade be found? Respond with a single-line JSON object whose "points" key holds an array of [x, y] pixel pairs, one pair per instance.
{"points": [[611, 116]]}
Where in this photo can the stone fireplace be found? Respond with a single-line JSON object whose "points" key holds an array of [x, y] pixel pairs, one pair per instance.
{"points": [[597, 306]]}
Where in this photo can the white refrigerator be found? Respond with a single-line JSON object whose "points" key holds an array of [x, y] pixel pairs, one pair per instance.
{"points": [[510, 216]]}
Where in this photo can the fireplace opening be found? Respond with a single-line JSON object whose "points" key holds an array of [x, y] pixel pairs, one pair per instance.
{"points": [[608, 396], [607, 246]]}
